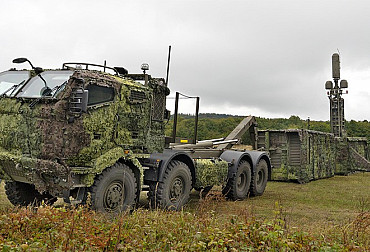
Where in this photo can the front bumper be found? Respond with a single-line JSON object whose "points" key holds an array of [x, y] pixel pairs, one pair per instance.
{"points": [[46, 175]]}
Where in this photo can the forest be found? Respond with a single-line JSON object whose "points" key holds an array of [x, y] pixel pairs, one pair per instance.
{"points": [[220, 125]]}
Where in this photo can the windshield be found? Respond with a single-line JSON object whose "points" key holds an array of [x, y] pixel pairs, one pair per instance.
{"points": [[10, 80], [55, 80]]}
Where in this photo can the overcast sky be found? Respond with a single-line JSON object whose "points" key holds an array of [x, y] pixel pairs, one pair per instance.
{"points": [[265, 58]]}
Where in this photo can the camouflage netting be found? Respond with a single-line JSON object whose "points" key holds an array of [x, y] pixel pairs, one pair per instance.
{"points": [[299, 155], [352, 155], [304, 155], [210, 172], [43, 144], [343, 164]]}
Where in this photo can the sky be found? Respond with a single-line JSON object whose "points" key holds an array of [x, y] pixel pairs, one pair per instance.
{"points": [[265, 58]]}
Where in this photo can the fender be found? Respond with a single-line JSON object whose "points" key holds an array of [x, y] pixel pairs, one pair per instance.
{"points": [[159, 162], [257, 156], [108, 159], [253, 157]]}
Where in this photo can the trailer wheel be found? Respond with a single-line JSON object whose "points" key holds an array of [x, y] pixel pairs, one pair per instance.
{"points": [[114, 190], [259, 180], [237, 187], [23, 194], [174, 191]]}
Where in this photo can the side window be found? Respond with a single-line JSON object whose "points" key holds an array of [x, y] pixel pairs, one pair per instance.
{"points": [[99, 94]]}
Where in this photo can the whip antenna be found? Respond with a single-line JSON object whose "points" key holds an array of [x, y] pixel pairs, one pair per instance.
{"points": [[168, 64]]}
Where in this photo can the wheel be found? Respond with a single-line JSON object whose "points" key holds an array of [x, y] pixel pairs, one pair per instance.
{"points": [[174, 191], [237, 187], [259, 180], [114, 190], [23, 194]]}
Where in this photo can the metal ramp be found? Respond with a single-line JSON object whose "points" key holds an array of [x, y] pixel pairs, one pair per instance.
{"points": [[239, 131], [362, 164]]}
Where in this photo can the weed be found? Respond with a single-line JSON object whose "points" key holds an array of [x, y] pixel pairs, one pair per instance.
{"points": [[209, 224]]}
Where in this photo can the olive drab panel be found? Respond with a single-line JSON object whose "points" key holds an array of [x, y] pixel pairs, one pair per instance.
{"points": [[304, 155], [299, 155]]}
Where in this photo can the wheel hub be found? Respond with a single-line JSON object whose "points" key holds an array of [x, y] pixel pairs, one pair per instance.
{"points": [[113, 196], [240, 183], [176, 189], [259, 177]]}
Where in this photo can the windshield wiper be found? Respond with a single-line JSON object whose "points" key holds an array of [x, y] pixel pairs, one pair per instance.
{"points": [[48, 92], [58, 88], [13, 88]]}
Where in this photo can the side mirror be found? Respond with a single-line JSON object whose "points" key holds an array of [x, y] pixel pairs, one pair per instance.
{"points": [[22, 60], [167, 114], [19, 60]]}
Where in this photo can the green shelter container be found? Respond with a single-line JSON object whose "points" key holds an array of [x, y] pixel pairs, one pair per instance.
{"points": [[299, 155]]}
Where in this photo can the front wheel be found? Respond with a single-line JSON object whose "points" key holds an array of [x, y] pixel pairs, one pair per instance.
{"points": [[114, 190], [259, 180], [174, 191], [23, 194]]}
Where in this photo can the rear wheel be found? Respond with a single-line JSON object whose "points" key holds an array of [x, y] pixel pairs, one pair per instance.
{"points": [[237, 187], [174, 191], [23, 194], [114, 190], [259, 180]]}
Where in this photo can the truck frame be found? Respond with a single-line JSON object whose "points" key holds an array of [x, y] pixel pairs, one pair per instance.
{"points": [[98, 136]]}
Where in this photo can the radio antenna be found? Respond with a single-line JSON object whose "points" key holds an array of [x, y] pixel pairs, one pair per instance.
{"points": [[168, 64]]}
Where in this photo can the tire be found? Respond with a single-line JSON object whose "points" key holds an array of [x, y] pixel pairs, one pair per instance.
{"points": [[23, 194], [174, 191], [106, 192], [259, 180], [237, 187]]}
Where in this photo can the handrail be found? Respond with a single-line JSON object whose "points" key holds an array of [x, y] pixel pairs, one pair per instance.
{"points": [[87, 66]]}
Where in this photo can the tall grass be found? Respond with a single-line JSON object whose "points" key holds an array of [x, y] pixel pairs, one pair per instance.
{"points": [[208, 224], [79, 229], [52, 229]]}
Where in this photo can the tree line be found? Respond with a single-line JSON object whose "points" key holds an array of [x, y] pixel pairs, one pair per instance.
{"points": [[212, 125]]}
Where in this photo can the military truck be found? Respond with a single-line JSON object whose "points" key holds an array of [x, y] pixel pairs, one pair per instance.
{"points": [[94, 134]]}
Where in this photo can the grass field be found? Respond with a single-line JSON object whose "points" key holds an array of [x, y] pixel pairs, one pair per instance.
{"points": [[310, 206], [324, 215]]}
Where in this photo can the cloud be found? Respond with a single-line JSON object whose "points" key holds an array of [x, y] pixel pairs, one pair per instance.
{"points": [[268, 57]]}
